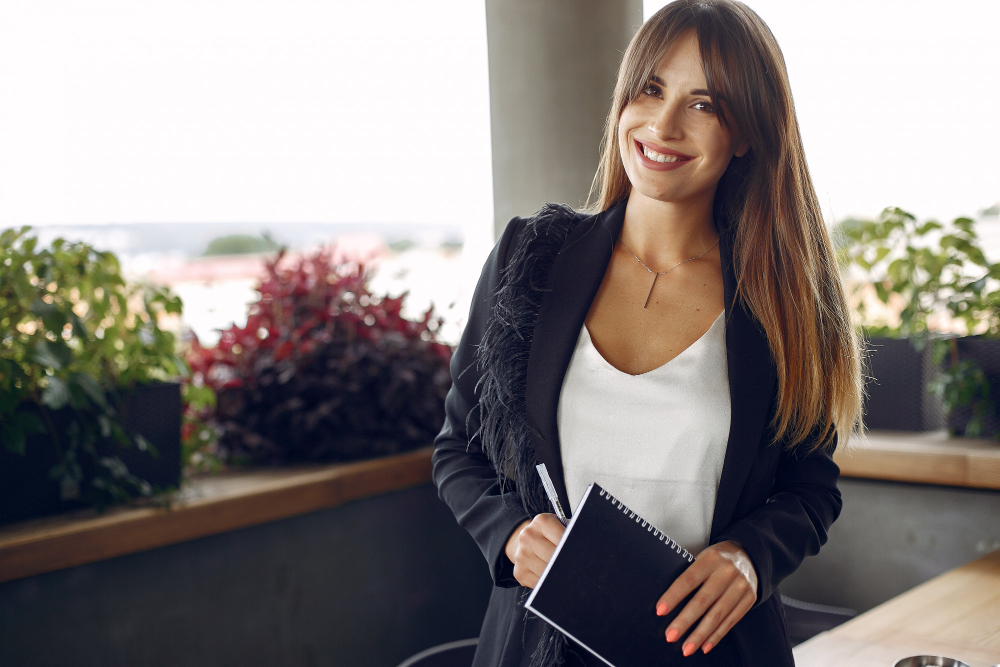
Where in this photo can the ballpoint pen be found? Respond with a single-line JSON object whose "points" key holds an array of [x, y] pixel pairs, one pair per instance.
{"points": [[550, 491]]}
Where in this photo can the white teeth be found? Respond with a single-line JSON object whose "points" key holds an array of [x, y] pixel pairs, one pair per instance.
{"points": [[658, 157]]}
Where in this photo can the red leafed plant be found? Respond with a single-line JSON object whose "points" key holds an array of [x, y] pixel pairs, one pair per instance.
{"points": [[323, 370]]}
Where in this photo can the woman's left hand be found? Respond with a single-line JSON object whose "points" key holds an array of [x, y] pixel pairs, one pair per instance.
{"points": [[728, 583]]}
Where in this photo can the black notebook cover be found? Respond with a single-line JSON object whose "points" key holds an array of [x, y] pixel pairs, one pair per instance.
{"points": [[601, 586]]}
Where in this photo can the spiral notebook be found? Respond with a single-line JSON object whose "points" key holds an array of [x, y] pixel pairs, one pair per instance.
{"points": [[603, 582]]}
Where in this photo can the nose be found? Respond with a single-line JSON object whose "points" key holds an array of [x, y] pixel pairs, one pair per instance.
{"points": [[666, 123]]}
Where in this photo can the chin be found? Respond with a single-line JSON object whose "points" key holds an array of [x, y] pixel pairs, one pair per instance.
{"points": [[659, 194]]}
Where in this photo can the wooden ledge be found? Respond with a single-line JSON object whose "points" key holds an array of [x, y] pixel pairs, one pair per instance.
{"points": [[219, 503], [923, 458], [205, 506], [953, 615]]}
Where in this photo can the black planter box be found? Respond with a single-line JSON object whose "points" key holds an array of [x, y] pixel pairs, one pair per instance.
{"points": [[986, 354], [153, 411], [897, 397]]}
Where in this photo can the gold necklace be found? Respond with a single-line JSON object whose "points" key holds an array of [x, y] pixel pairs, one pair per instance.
{"points": [[662, 273]]}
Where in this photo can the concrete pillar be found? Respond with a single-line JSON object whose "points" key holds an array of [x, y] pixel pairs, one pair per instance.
{"points": [[553, 65]]}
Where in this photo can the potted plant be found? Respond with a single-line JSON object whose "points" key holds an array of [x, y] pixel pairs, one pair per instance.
{"points": [[323, 370], [86, 413], [927, 299]]}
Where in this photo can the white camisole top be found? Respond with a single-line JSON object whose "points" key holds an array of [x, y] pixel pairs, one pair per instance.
{"points": [[656, 441]]}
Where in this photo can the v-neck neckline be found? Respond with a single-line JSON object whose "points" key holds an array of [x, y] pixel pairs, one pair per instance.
{"points": [[608, 364]]}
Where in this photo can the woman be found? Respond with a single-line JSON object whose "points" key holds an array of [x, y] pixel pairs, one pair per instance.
{"points": [[687, 345]]}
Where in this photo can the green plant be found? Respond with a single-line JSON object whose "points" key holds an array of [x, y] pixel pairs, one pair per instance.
{"points": [[76, 338], [199, 436], [930, 276], [937, 283], [962, 383]]}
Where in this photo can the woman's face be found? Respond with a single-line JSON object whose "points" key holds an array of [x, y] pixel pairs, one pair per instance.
{"points": [[672, 144]]}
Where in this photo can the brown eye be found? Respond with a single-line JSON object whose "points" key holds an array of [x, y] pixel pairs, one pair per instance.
{"points": [[704, 106], [652, 90]]}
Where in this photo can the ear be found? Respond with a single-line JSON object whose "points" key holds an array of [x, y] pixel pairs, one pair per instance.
{"points": [[742, 149]]}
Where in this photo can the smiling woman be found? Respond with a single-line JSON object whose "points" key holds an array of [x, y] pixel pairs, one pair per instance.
{"points": [[685, 343]]}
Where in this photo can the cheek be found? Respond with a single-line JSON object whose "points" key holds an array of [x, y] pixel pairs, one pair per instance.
{"points": [[623, 140], [716, 151], [625, 125], [627, 122]]}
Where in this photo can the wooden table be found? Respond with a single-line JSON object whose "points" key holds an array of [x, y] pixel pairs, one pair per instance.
{"points": [[956, 615]]}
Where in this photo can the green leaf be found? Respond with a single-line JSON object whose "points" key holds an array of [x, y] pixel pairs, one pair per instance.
{"points": [[105, 424], [965, 224], [56, 394], [145, 445], [896, 270], [90, 386], [78, 327], [52, 317], [55, 355], [115, 466]]}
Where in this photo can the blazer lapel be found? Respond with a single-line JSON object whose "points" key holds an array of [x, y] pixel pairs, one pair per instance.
{"points": [[751, 389], [574, 278]]}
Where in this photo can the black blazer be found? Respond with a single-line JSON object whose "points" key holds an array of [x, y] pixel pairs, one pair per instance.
{"points": [[778, 506]]}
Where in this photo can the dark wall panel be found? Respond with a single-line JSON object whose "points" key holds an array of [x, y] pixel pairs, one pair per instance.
{"points": [[365, 584], [372, 582], [893, 536]]}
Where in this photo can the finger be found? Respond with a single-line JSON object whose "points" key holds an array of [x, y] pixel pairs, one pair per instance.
{"points": [[713, 618], [550, 526], [732, 619], [525, 576], [528, 558], [689, 580], [528, 570], [537, 545], [696, 607]]}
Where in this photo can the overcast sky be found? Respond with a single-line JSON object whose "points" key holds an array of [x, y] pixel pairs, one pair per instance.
{"points": [[267, 111]]}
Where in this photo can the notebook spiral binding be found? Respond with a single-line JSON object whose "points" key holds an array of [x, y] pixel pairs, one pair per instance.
{"points": [[648, 526]]}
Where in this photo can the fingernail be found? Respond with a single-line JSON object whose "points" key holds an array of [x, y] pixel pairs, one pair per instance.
{"points": [[706, 648], [673, 634], [689, 648], [661, 609]]}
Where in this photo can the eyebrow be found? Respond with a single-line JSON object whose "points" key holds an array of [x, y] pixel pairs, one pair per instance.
{"points": [[698, 91]]}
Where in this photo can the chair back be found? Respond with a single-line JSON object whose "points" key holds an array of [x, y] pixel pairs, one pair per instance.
{"points": [[452, 654]]}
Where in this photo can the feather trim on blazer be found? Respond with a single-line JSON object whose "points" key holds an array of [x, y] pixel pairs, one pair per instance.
{"points": [[503, 355], [503, 363]]}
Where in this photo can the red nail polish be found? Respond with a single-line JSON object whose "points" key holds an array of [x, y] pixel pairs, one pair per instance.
{"points": [[706, 648], [673, 634], [661, 610], [688, 649]]}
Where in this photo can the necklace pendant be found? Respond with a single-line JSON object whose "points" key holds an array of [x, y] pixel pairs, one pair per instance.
{"points": [[648, 296]]}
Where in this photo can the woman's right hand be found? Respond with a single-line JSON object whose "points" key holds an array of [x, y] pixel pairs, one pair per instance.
{"points": [[531, 546]]}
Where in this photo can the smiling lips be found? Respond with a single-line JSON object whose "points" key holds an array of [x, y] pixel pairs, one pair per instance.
{"points": [[660, 159]]}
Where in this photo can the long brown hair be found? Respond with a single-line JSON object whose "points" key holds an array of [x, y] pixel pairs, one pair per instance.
{"points": [[785, 266]]}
